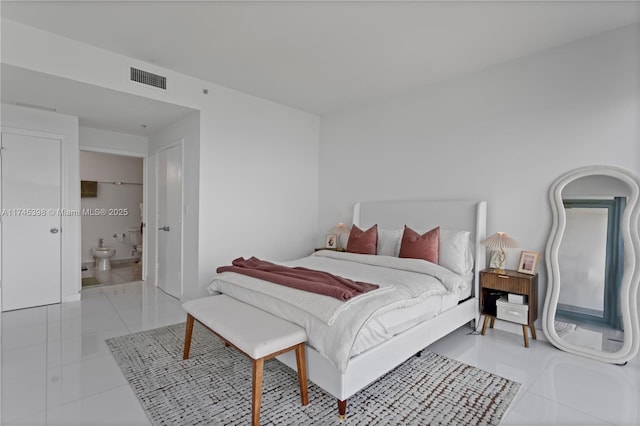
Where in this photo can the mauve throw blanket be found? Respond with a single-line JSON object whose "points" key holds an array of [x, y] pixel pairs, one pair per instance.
{"points": [[301, 278]]}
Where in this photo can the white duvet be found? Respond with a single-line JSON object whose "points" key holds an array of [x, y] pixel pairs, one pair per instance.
{"points": [[333, 325]]}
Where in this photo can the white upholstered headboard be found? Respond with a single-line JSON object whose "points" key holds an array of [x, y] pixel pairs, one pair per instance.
{"points": [[467, 215]]}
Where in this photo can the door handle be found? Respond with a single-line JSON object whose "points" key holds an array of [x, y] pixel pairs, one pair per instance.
{"points": [[54, 230], [164, 228]]}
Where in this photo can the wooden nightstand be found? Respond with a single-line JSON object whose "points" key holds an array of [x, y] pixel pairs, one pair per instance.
{"points": [[494, 285]]}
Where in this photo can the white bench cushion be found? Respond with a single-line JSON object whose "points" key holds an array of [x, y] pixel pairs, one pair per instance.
{"points": [[255, 332]]}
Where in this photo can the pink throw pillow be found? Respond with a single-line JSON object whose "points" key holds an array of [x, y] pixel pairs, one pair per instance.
{"points": [[418, 246], [363, 242]]}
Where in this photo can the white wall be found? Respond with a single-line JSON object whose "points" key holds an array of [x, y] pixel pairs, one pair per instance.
{"points": [[502, 134], [121, 202], [66, 127], [258, 182], [258, 161], [186, 132], [112, 142]]}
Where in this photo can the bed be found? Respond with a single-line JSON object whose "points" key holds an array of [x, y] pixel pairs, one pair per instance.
{"points": [[352, 343]]}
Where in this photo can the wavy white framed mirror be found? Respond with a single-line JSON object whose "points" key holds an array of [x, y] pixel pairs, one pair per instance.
{"points": [[591, 304]]}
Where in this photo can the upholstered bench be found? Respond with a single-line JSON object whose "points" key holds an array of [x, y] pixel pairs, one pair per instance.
{"points": [[254, 332]]}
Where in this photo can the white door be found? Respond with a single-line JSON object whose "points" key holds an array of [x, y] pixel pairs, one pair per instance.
{"points": [[170, 220], [30, 202]]}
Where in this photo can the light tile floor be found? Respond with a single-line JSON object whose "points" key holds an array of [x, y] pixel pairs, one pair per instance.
{"points": [[56, 367], [119, 273], [57, 370]]}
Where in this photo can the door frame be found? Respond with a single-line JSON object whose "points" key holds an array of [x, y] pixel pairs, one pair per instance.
{"points": [[145, 189], [64, 197], [179, 143]]}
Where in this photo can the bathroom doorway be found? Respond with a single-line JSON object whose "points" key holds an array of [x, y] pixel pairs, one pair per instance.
{"points": [[112, 213]]}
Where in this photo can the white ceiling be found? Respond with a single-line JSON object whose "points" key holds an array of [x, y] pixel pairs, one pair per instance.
{"points": [[96, 107], [327, 55]]}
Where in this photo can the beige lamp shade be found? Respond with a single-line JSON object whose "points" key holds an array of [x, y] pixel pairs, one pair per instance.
{"points": [[500, 240], [339, 230]]}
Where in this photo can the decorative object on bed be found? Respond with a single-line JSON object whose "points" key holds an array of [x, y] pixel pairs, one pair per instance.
{"points": [[355, 342], [212, 387], [341, 231], [305, 279], [363, 242], [528, 262], [389, 242], [603, 182], [456, 251], [500, 240], [416, 246]]}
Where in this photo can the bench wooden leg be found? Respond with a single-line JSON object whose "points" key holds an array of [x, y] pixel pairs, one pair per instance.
{"points": [[342, 408], [493, 321], [258, 365], [302, 373], [187, 337]]}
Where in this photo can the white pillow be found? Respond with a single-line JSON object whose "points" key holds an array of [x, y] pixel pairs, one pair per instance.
{"points": [[343, 237], [389, 242], [456, 251]]}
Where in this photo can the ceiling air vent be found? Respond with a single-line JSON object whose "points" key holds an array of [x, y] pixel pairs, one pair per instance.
{"points": [[148, 78]]}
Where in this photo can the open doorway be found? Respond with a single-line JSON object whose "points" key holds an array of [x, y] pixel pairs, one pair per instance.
{"points": [[112, 203], [120, 123]]}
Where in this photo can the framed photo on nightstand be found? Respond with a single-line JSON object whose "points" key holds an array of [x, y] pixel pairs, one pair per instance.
{"points": [[331, 242], [528, 262]]}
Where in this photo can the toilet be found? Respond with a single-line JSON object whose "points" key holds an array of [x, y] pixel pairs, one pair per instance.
{"points": [[102, 255], [135, 239]]}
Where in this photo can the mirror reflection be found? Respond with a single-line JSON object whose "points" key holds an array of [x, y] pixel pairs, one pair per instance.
{"points": [[591, 307], [590, 259]]}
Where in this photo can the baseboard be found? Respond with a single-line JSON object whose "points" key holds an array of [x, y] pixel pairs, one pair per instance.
{"points": [[71, 298]]}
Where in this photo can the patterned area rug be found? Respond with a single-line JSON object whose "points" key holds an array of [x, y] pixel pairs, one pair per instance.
{"points": [[564, 328], [213, 387]]}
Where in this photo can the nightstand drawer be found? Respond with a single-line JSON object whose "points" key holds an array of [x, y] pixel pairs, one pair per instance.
{"points": [[513, 312], [506, 283]]}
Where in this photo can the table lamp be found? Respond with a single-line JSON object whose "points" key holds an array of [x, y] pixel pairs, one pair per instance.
{"points": [[500, 240], [338, 230]]}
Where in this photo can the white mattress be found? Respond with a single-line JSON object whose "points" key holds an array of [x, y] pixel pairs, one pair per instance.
{"points": [[384, 327], [340, 330]]}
